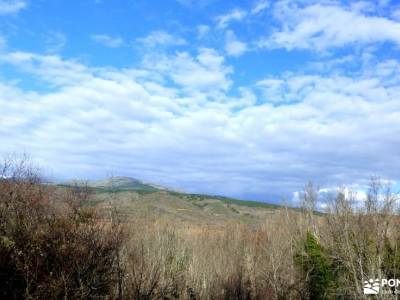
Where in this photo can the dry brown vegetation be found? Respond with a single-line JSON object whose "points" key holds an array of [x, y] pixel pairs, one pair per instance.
{"points": [[53, 245]]}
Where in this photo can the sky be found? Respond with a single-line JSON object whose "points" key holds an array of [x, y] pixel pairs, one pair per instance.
{"points": [[249, 99]]}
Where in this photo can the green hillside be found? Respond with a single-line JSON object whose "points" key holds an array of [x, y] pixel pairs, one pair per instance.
{"points": [[135, 198]]}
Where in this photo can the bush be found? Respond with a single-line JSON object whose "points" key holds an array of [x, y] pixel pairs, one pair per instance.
{"points": [[316, 268], [52, 246]]}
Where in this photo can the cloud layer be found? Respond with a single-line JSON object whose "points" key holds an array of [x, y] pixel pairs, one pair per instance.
{"points": [[190, 114], [323, 26], [108, 41], [194, 133]]}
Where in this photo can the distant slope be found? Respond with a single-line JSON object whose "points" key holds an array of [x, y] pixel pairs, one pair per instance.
{"points": [[198, 209], [135, 198], [226, 200], [118, 183]]}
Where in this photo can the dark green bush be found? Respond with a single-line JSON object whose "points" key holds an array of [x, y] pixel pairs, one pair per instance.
{"points": [[316, 268]]}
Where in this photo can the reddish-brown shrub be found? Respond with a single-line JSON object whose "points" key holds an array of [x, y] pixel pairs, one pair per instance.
{"points": [[51, 246]]}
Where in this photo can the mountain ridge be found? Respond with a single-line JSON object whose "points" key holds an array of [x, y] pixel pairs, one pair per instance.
{"points": [[118, 183], [126, 183]]}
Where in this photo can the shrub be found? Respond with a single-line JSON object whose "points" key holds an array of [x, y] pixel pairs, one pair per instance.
{"points": [[51, 245], [316, 268]]}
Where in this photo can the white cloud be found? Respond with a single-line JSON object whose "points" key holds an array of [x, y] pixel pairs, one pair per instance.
{"points": [[202, 31], [108, 41], [161, 38], [355, 195], [234, 15], [55, 41], [8, 7], [52, 68], [273, 89], [204, 73], [237, 14], [175, 122], [233, 46], [260, 6], [320, 27]]}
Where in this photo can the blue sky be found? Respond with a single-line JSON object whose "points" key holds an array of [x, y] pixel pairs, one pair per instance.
{"points": [[249, 99]]}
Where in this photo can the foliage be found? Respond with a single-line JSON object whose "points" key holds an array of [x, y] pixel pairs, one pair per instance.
{"points": [[51, 246], [316, 268]]}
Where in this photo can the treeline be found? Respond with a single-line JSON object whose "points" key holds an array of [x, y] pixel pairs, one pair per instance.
{"points": [[54, 246]]}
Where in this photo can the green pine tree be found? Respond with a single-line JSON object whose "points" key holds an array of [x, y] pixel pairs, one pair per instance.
{"points": [[316, 268]]}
